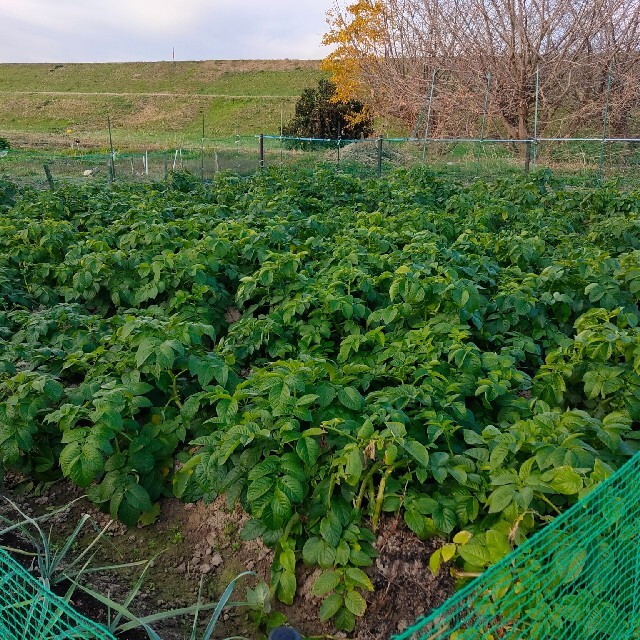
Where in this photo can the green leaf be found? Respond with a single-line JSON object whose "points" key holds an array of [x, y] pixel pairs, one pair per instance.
{"points": [[190, 407], [259, 487], [53, 390], [575, 564], [497, 544], [359, 558], [462, 537], [355, 603], [115, 462], [330, 606], [209, 368], [150, 517], [342, 553], [326, 582], [252, 530], [138, 498], [499, 454], [280, 508], [358, 578], [473, 438], [309, 451], [345, 620], [563, 480], [417, 523], [331, 529], [501, 498], [445, 518], [350, 397], [326, 393], [448, 551], [311, 550], [287, 559], [435, 561], [475, 554], [81, 463], [418, 451], [145, 349], [291, 487], [165, 355], [326, 555], [287, 586], [353, 466], [128, 514]]}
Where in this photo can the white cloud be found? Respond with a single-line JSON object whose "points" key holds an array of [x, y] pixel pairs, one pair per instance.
{"points": [[94, 30]]}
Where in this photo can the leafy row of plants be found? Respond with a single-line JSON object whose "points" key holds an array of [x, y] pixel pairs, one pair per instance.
{"points": [[330, 351]]}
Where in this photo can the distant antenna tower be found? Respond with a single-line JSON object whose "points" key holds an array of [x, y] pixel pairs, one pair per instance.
{"points": [[173, 54]]}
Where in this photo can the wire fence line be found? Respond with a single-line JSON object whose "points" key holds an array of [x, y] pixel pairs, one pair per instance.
{"points": [[587, 158]]}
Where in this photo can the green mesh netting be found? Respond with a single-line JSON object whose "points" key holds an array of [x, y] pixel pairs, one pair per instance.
{"points": [[578, 578], [29, 611]]}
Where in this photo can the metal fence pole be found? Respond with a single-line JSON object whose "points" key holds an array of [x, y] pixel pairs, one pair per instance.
{"points": [[483, 124], [281, 136], [261, 150], [380, 157], [112, 166], [426, 130], [202, 152], [535, 119], [527, 156], [605, 122]]}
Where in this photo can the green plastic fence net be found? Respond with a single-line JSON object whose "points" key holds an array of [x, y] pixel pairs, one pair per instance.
{"points": [[29, 611], [578, 578]]}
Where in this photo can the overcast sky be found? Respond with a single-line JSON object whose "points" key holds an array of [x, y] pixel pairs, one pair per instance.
{"points": [[121, 30]]}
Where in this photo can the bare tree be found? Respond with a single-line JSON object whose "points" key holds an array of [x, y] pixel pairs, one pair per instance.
{"points": [[577, 51]]}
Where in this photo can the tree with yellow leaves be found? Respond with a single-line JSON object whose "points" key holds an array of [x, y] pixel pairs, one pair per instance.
{"points": [[580, 54], [358, 34]]}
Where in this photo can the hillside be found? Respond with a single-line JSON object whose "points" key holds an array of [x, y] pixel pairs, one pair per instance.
{"points": [[150, 104]]}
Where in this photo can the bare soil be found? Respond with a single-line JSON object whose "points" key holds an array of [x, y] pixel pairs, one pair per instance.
{"points": [[191, 542]]}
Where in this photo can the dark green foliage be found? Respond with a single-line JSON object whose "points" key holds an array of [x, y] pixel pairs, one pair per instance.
{"points": [[317, 116], [4, 144], [326, 350], [8, 192]]}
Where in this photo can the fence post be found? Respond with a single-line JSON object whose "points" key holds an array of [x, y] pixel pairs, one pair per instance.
{"points": [[281, 136], [261, 150], [47, 172], [483, 125], [535, 120], [527, 157], [605, 122], [202, 151], [426, 130], [112, 165], [380, 157]]}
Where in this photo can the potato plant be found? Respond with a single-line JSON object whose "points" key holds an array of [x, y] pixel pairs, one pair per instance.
{"points": [[329, 351]]}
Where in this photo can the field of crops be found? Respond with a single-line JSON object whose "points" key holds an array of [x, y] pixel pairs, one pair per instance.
{"points": [[330, 351]]}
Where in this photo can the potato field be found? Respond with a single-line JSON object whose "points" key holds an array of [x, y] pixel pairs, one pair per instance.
{"points": [[328, 350]]}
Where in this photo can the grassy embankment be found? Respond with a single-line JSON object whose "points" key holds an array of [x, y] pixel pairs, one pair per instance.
{"points": [[151, 105]]}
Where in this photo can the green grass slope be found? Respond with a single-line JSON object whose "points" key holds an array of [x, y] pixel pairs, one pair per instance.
{"points": [[150, 104]]}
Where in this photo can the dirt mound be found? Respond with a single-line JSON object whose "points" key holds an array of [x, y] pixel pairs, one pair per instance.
{"points": [[405, 589]]}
